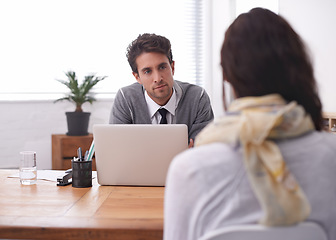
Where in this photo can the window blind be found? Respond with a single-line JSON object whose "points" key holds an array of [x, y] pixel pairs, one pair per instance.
{"points": [[195, 30]]}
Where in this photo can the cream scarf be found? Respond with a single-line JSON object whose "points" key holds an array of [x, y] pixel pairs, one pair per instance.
{"points": [[253, 122]]}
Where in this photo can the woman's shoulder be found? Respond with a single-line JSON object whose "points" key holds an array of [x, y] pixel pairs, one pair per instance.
{"points": [[206, 159], [329, 138], [324, 141]]}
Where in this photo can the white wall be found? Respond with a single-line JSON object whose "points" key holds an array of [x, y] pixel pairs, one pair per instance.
{"points": [[219, 15], [315, 20], [28, 125]]}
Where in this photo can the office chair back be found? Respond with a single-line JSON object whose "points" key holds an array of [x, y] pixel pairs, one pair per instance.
{"points": [[302, 231]]}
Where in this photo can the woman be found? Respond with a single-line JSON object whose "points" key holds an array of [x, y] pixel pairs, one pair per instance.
{"points": [[267, 161]]}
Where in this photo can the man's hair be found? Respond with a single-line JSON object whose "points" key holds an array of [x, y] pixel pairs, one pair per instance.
{"points": [[262, 54], [148, 43]]}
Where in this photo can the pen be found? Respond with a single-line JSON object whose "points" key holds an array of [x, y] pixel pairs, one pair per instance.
{"points": [[79, 153], [91, 151], [86, 155]]}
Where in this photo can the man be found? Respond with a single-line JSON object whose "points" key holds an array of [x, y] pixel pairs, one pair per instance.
{"points": [[151, 60]]}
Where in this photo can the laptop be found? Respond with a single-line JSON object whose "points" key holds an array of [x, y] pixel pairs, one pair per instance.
{"points": [[137, 154]]}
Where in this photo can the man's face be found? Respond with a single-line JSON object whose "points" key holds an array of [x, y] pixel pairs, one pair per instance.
{"points": [[156, 75]]}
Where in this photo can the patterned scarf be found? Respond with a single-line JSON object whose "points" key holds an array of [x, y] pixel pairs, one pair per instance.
{"points": [[253, 122]]}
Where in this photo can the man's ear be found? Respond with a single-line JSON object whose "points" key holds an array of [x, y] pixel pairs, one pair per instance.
{"points": [[137, 77], [173, 67]]}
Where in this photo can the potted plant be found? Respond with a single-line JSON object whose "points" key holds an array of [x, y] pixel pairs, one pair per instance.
{"points": [[78, 121]]}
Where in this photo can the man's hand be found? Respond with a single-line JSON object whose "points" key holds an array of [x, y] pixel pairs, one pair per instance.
{"points": [[191, 143]]}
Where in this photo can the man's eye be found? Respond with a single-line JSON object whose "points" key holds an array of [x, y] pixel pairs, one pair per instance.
{"points": [[163, 67], [147, 71]]}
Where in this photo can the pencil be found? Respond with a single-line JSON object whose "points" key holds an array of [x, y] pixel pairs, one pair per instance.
{"points": [[91, 151]]}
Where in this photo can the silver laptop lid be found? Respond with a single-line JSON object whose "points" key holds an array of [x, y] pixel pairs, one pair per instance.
{"points": [[132, 154]]}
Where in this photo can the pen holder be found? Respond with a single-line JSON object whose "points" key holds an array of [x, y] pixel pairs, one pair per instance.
{"points": [[81, 174]]}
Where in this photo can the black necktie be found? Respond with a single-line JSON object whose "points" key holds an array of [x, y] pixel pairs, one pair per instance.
{"points": [[163, 113]]}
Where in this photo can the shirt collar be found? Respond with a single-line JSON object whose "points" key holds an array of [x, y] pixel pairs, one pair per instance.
{"points": [[153, 106]]}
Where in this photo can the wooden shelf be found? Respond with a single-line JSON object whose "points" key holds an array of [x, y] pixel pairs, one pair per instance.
{"points": [[330, 121], [64, 148]]}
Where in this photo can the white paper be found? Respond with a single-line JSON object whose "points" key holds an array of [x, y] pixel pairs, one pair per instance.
{"points": [[49, 175]]}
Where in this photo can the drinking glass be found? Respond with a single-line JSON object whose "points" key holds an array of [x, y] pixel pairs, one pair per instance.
{"points": [[28, 172]]}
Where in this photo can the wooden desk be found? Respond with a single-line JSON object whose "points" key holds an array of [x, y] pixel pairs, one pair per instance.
{"points": [[46, 211]]}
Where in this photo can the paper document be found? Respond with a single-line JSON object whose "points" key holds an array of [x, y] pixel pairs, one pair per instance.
{"points": [[49, 175]]}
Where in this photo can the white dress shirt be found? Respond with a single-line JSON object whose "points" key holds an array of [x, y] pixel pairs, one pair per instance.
{"points": [[153, 108]]}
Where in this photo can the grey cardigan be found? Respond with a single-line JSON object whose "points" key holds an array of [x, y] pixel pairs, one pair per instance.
{"points": [[193, 107]]}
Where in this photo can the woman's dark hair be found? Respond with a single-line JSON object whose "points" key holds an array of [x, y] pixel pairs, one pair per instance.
{"points": [[262, 54], [148, 43]]}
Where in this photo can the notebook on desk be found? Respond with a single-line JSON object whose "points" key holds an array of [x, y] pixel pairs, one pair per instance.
{"points": [[133, 154]]}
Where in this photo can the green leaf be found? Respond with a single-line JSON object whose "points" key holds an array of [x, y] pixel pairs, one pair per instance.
{"points": [[79, 94]]}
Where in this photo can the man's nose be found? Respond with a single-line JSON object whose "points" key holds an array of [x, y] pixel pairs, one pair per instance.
{"points": [[157, 76]]}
